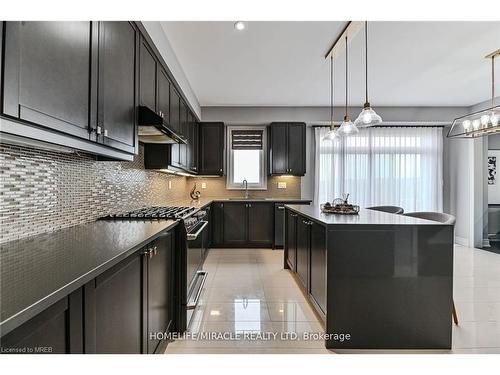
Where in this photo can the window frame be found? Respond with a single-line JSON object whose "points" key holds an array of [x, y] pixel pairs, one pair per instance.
{"points": [[263, 159]]}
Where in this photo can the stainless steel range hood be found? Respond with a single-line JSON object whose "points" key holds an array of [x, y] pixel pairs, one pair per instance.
{"points": [[153, 129]]}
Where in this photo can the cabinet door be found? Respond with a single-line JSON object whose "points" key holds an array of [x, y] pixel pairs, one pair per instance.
{"points": [[260, 223], [278, 149], [194, 145], [318, 265], [291, 239], [114, 309], [217, 223], [147, 76], [303, 244], [163, 95], [117, 85], [279, 224], [184, 131], [174, 110], [235, 223], [211, 141], [160, 288], [56, 330], [47, 75], [297, 149]]}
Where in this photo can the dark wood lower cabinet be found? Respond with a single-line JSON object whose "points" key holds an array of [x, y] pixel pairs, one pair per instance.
{"points": [[291, 240], [241, 224], [303, 243], [114, 315], [318, 265], [235, 224], [160, 291], [56, 330], [260, 224], [217, 225]]}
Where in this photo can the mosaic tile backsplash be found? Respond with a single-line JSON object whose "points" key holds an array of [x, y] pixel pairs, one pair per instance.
{"points": [[42, 191]]}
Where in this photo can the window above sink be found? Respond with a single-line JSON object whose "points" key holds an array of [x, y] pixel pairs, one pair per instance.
{"points": [[246, 157]]}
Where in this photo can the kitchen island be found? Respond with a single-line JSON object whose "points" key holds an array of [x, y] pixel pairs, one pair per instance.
{"points": [[378, 280]]}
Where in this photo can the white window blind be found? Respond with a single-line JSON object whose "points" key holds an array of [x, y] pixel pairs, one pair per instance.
{"points": [[401, 166]]}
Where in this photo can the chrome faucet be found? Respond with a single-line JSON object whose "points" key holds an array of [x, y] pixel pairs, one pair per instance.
{"points": [[245, 183]]}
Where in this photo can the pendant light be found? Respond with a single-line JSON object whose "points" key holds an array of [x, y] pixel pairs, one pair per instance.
{"points": [[368, 117], [347, 127], [332, 133], [481, 123]]}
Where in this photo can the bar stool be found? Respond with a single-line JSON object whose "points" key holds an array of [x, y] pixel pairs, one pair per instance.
{"points": [[388, 209], [445, 219]]}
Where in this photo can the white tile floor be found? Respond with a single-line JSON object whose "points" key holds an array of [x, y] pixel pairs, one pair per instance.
{"points": [[248, 291]]}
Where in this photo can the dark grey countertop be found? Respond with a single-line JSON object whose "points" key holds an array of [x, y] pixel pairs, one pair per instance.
{"points": [[205, 201], [40, 270], [365, 217]]}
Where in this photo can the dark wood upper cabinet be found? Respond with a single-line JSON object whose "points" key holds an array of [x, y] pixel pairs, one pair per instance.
{"points": [[117, 85], [211, 148], [163, 95], [296, 149], [318, 265], [194, 136], [287, 148], [184, 147], [175, 114], [260, 223], [278, 148], [147, 81], [47, 76]]}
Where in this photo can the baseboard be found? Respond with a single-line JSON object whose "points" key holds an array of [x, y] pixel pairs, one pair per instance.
{"points": [[461, 241]]}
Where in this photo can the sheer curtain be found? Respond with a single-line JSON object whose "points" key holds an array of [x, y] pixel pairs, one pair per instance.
{"points": [[401, 166]]}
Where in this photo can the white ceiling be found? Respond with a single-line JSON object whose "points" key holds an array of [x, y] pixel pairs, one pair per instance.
{"points": [[282, 63]]}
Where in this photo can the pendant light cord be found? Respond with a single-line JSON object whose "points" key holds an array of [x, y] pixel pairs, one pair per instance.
{"points": [[346, 75], [493, 80], [331, 90], [366, 61]]}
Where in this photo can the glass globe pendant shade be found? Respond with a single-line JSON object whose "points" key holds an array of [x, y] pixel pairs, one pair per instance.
{"points": [[494, 117], [332, 134], [367, 118], [347, 127]]}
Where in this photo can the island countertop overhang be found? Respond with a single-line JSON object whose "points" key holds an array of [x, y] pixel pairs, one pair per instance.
{"points": [[364, 217]]}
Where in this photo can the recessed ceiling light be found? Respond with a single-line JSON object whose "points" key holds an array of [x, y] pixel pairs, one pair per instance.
{"points": [[239, 25]]}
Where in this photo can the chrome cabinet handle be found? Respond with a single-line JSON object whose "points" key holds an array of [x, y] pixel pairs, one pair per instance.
{"points": [[105, 132], [294, 215], [98, 130], [280, 207]]}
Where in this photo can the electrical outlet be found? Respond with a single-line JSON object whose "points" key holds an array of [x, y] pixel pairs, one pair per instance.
{"points": [[203, 185], [169, 184], [281, 185]]}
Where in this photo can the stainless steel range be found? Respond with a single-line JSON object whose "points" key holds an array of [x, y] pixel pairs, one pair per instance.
{"points": [[190, 252]]}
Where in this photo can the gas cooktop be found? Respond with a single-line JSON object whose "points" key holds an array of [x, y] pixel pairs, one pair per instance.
{"points": [[156, 212]]}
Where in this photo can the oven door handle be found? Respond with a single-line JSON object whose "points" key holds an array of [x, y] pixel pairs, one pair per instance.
{"points": [[194, 236], [192, 305]]}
